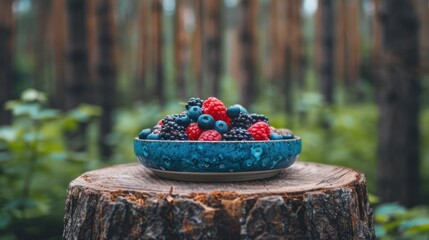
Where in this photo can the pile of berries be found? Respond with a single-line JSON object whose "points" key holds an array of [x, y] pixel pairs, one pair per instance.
{"points": [[210, 120]]}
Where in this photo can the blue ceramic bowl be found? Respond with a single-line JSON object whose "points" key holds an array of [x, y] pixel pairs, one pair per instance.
{"points": [[217, 156]]}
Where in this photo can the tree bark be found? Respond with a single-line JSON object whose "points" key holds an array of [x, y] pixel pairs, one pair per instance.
{"points": [[212, 44], [248, 51], [106, 69], [41, 50], [306, 201], [181, 48], [6, 57], [398, 98], [140, 88], [76, 90], [327, 50], [157, 46], [59, 36], [197, 46]]}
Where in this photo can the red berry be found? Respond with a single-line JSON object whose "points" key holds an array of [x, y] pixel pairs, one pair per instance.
{"points": [[216, 109], [210, 135], [193, 131], [160, 123], [260, 131]]}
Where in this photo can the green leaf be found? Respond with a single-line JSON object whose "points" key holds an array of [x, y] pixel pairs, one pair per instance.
{"points": [[8, 134], [46, 114], [387, 210], [30, 109], [380, 231], [415, 225], [5, 219], [32, 95]]}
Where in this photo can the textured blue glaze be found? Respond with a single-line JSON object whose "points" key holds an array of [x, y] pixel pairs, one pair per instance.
{"points": [[219, 156]]}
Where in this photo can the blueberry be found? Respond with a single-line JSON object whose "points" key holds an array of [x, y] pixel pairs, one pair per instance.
{"points": [[221, 126], [156, 127], [287, 136], [242, 109], [183, 120], [144, 133], [206, 121], [153, 136], [194, 112], [275, 136], [233, 111]]}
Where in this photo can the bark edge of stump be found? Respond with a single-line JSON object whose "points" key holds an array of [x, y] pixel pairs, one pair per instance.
{"points": [[306, 201]]}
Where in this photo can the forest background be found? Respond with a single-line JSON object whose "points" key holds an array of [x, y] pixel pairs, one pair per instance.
{"points": [[80, 78]]}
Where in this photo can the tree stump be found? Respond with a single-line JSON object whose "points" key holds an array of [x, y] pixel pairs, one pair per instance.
{"points": [[306, 201]]}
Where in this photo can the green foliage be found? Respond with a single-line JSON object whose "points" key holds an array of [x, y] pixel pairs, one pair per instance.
{"points": [[392, 221], [36, 164]]}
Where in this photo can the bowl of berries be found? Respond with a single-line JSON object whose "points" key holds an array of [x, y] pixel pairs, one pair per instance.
{"points": [[210, 142]]}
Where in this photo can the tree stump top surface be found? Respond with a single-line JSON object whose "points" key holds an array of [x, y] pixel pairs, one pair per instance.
{"points": [[299, 178]]}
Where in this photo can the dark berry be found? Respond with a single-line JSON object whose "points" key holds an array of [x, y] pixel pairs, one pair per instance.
{"points": [[183, 120], [144, 133], [221, 126], [171, 130], [242, 109], [275, 136], [194, 102], [287, 136], [242, 121], [259, 118], [233, 111], [237, 134], [206, 121], [194, 112], [153, 136]]}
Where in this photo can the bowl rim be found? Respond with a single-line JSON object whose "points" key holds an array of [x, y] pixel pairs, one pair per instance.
{"points": [[295, 138]]}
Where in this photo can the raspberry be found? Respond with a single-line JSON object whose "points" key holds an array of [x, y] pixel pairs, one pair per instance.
{"points": [[260, 131], [210, 135], [193, 131], [216, 108], [237, 134], [242, 121], [194, 102], [160, 123]]}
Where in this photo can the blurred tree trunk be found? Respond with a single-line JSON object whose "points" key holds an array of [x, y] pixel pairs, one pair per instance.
{"points": [[376, 38], [41, 50], [422, 7], [91, 16], [106, 69], [157, 46], [298, 44], [248, 51], [76, 85], [197, 46], [6, 56], [286, 85], [59, 35], [347, 47], [140, 88], [327, 49], [398, 93], [181, 48], [212, 44]]}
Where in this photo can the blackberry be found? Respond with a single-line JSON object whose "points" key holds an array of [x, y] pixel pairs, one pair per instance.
{"points": [[170, 130], [259, 118], [169, 118], [194, 102], [243, 120], [237, 134]]}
